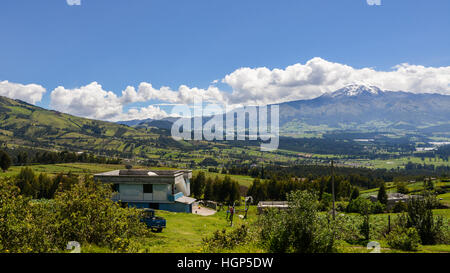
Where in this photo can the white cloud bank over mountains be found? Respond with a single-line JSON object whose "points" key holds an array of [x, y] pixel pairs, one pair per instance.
{"points": [[250, 86]]}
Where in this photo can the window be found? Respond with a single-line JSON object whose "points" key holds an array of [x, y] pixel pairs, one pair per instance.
{"points": [[115, 187], [148, 188]]}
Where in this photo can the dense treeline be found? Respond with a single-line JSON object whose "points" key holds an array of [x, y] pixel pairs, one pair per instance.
{"points": [[217, 189], [361, 177], [22, 157], [43, 186], [278, 189]]}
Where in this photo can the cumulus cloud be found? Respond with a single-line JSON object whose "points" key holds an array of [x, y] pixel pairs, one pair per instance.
{"points": [[30, 93], [318, 76], [250, 86], [73, 2], [184, 94], [150, 111], [88, 101], [92, 101]]}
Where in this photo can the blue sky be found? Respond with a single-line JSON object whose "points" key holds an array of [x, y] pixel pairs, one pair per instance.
{"points": [[119, 43]]}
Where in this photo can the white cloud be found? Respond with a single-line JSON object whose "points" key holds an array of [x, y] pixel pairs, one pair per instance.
{"points": [[251, 86], [92, 101], [183, 95], [73, 2], [318, 76], [88, 101], [150, 111], [30, 93]]}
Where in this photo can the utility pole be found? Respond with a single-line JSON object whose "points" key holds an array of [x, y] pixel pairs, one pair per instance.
{"points": [[332, 189]]}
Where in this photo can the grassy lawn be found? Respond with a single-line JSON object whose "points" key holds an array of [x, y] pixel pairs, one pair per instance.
{"points": [[184, 232]]}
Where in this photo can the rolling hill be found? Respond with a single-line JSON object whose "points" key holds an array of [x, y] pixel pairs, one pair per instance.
{"points": [[26, 125]]}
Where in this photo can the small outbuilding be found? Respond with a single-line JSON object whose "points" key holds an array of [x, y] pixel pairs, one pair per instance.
{"points": [[263, 205], [394, 198]]}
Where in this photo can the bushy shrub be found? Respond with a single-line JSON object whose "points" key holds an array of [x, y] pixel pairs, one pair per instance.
{"points": [[378, 207], [24, 226], [85, 213], [407, 239], [358, 204], [419, 215], [225, 240], [300, 229]]}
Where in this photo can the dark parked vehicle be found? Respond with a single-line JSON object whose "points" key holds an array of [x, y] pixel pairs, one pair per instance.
{"points": [[155, 223]]}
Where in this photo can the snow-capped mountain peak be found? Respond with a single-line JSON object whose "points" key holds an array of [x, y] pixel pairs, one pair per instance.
{"points": [[357, 90]]}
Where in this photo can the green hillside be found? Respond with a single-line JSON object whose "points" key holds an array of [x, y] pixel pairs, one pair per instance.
{"points": [[26, 125]]}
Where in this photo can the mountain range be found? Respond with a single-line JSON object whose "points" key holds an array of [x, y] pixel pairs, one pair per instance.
{"points": [[358, 107]]}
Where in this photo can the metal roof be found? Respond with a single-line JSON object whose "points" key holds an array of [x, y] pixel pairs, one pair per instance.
{"points": [[186, 200]]}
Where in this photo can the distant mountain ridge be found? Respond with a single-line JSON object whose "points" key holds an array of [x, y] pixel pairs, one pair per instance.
{"points": [[363, 104], [359, 107]]}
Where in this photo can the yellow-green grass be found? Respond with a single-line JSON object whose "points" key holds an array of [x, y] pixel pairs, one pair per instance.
{"points": [[401, 162], [445, 198], [184, 232], [75, 168]]}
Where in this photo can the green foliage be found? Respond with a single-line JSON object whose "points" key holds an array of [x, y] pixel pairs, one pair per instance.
{"points": [[382, 195], [42, 186], [355, 194], [198, 184], [428, 184], [401, 188], [407, 239], [85, 213], [21, 222], [226, 240], [378, 207], [400, 207], [5, 161], [364, 206], [326, 202], [209, 191], [419, 215], [300, 229]]}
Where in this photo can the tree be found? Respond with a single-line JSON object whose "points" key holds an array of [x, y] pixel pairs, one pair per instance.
{"points": [[5, 161], [382, 195], [86, 214], [234, 192], [355, 194], [198, 185], [209, 194], [26, 181], [401, 188], [420, 216]]}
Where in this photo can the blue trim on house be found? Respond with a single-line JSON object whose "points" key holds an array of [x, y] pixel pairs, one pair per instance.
{"points": [[172, 207], [174, 197], [176, 207], [139, 205]]}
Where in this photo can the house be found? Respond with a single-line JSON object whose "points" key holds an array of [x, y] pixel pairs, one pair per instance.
{"points": [[156, 189], [394, 198]]}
